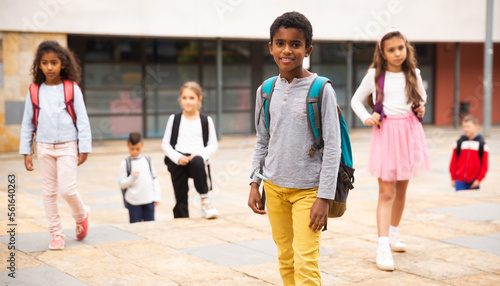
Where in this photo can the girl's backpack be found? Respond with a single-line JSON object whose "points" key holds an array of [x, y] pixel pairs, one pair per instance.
{"points": [[345, 177], [68, 100]]}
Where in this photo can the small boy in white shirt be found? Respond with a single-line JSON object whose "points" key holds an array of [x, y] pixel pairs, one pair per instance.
{"points": [[138, 180]]}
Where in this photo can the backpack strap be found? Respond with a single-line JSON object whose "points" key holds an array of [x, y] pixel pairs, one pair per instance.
{"points": [[150, 168], [379, 104], [315, 96], [267, 93], [175, 129], [204, 128], [459, 144], [34, 89], [69, 99], [481, 149], [128, 162]]}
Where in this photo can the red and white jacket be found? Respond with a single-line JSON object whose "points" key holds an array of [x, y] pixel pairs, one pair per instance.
{"points": [[468, 167]]}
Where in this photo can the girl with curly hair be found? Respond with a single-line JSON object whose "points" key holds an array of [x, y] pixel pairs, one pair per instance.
{"points": [[56, 117]]}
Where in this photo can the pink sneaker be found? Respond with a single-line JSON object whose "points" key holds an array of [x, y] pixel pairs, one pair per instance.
{"points": [[57, 242], [83, 227]]}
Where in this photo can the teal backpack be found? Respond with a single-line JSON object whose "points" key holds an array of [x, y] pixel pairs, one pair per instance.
{"points": [[345, 178]]}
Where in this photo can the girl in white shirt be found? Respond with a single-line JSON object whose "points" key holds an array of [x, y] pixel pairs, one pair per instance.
{"points": [[187, 151], [398, 149]]}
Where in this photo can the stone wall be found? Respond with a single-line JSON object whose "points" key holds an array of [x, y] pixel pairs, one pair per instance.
{"points": [[17, 52]]}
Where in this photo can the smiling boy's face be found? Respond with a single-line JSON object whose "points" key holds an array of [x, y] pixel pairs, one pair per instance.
{"points": [[288, 49]]}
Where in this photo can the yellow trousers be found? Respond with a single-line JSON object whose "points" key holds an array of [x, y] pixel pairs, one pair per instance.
{"points": [[298, 245]]}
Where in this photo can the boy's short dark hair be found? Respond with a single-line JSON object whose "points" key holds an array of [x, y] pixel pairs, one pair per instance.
{"points": [[293, 20], [470, 118], [134, 138]]}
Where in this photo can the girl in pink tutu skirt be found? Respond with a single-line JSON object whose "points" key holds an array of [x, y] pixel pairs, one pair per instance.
{"points": [[398, 150]]}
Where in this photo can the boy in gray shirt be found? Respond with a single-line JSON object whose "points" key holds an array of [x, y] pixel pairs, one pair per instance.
{"points": [[297, 185]]}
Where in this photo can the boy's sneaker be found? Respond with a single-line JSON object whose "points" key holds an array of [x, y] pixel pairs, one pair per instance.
{"points": [[207, 210], [396, 242], [57, 242], [384, 258], [83, 227]]}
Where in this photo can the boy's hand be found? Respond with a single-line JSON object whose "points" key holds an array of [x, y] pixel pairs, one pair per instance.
{"points": [[156, 203], [420, 110], [319, 214], [255, 201], [136, 173], [373, 120], [453, 183], [475, 184], [82, 157], [28, 163], [184, 160]]}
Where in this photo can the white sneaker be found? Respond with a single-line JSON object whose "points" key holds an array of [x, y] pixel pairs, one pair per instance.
{"points": [[207, 210], [384, 258], [397, 244]]}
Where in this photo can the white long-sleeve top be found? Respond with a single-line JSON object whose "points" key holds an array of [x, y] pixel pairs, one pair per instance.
{"points": [[190, 139], [55, 125], [143, 188], [395, 98]]}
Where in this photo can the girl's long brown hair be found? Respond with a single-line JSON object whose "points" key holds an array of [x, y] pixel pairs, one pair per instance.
{"points": [[408, 66], [72, 69]]}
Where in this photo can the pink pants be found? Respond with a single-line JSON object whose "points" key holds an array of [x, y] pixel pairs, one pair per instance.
{"points": [[58, 164]]}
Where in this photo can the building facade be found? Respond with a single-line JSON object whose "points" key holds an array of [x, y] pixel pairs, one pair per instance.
{"points": [[136, 54]]}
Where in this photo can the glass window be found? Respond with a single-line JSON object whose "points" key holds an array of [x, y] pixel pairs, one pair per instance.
{"points": [[130, 50], [112, 75], [236, 99], [99, 50], [165, 51], [163, 101], [161, 75], [329, 53], [209, 100], [112, 102], [114, 127], [236, 122], [336, 73], [235, 52], [232, 75], [156, 125]]}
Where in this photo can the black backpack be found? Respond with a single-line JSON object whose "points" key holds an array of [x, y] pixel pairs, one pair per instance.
{"points": [[128, 161], [175, 134], [480, 150]]}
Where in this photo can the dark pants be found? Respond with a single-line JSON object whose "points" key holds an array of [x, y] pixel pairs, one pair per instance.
{"points": [[459, 186], [180, 174], [141, 212]]}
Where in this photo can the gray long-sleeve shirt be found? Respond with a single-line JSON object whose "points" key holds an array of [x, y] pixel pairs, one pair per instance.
{"points": [[287, 163]]}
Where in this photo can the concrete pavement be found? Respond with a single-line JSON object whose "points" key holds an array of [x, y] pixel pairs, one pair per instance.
{"points": [[453, 238]]}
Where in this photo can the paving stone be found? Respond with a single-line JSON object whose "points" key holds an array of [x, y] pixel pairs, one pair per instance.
{"points": [[22, 260], [104, 234], [37, 241], [486, 243], [40, 276], [156, 253], [486, 279], [477, 212], [94, 267], [230, 255], [420, 264], [469, 257]]}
